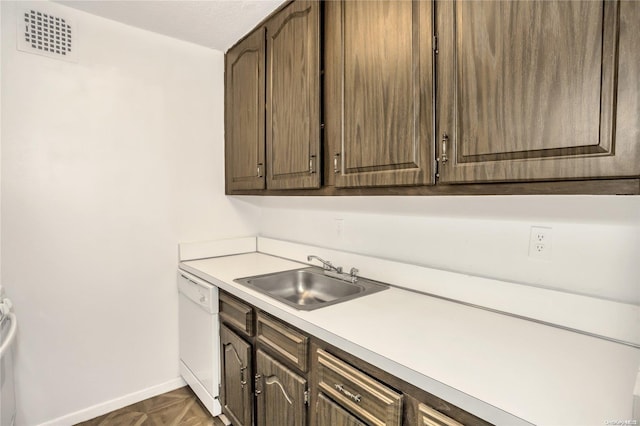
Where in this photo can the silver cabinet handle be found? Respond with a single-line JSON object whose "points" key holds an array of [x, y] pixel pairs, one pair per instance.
{"points": [[259, 170], [243, 382], [355, 397], [312, 160], [336, 165], [445, 140]]}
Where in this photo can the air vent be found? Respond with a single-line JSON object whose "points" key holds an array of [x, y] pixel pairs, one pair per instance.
{"points": [[45, 34]]}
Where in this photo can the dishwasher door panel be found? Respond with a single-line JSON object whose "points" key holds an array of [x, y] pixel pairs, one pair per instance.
{"points": [[199, 349]]}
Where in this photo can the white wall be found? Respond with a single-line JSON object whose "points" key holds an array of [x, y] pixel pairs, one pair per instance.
{"points": [[107, 164], [595, 247]]}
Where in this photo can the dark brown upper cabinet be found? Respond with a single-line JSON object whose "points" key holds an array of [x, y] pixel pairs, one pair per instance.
{"points": [[244, 113], [293, 97], [378, 92], [541, 90], [497, 97]]}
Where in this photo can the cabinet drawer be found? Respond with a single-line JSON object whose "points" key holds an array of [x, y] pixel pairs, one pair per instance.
{"points": [[286, 341], [330, 413], [236, 313], [430, 417], [364, 396]]}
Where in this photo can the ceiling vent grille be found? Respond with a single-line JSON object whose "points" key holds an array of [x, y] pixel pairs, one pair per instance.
{"points": [[45, 34]]}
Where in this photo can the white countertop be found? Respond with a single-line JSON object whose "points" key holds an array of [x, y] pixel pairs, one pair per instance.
{"points": [[503, 369]]}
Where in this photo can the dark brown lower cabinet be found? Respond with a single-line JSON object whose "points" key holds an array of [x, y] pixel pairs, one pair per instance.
{"points": [[363, 395], [301, 380], [280, 394], [328, 413], [235, 393]]}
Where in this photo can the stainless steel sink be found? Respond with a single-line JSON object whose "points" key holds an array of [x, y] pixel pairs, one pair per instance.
{"points": [[309, 288]]}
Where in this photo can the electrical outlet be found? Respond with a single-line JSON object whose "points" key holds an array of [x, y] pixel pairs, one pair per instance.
{"points": [[540, 243]]}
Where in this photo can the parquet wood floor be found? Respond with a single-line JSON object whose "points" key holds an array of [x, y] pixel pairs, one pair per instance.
{"points": [[176, 408]]}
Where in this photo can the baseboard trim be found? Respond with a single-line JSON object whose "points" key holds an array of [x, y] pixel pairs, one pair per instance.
{"points": [[114, 404]]}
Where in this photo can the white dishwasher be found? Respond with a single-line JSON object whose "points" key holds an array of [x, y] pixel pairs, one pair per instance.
{"points": [[8, 324], [199, 338]]}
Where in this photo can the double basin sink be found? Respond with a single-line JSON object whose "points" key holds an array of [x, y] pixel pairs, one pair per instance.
{"points": [[310, 288]]}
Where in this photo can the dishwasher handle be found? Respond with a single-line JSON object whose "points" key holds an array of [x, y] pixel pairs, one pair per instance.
{"points": [[201, 293]]}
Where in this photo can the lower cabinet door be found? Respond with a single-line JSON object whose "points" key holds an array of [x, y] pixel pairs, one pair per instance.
{"points": [[328, 413], [235, 393], [280, 394]]}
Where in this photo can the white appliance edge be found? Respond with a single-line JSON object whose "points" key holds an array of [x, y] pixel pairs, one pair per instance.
{"points": [[199, 332]]}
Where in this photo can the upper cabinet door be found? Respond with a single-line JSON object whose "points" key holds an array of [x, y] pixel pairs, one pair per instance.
{"points": [[527, 91], [378, 92], [293, 97], [244, 113]]}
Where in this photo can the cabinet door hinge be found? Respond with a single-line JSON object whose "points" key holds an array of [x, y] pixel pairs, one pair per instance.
{"points": [[435, 44], [306, 397], [256, 380]]}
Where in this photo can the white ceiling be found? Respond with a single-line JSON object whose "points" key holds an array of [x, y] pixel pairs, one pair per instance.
{"points": [[217, 24]]}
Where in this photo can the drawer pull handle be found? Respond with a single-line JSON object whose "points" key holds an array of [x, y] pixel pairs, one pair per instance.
{"points": [[356, 398]]}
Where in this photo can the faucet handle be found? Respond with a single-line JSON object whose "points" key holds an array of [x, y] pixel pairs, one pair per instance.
{"points": [[354, 274]]}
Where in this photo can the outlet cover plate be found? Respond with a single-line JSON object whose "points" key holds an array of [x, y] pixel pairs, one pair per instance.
{"points": [[540, 243]]}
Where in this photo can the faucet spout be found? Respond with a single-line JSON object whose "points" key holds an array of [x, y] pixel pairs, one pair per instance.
{"points": [[335, 271], [326, 265]]}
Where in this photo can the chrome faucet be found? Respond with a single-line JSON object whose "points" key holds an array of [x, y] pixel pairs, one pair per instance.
{"points": [[326, 265], [335, 271]]}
